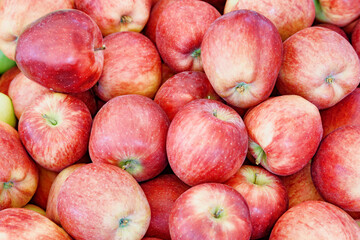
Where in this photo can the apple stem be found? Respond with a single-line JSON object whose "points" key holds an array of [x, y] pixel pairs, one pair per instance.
{"points": [[256, 174], [214, 113], [126, 166], [259, 157], [126, 19], [8, 185], [196, 53], [240, 87], [123, 222], [52, 121], [103, 47], [218, 212], [329, 79]]}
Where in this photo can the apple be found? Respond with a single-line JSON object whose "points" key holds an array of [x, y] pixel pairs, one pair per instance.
{"points": [[130, 132], [348, 29], [210, 211], [55, 130], [166, 73], [284, 133], [265, 195], [355, 38], [102, 201], [62, 51], [242, 64], [179, 33], [35, 208], [5, 63], [18, 173], [288, 16], [6, 79], [25, 224], [334, 28], [132, 65], [206, 142], [161, 193], [7, 113], [117, 16], [319, 65], [314, 220], [335, 168], [183, 88]]}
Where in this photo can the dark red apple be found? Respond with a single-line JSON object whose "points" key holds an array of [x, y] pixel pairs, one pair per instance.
{"points": [[334, 28]]}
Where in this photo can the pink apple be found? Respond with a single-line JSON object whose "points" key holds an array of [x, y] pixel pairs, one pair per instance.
{"points": [[62, 51], [102, 201], [319, 65], [130, 131], [55, 130], [210, 211], [6, 79], [179, 33], [35, 208], [242, 64], [206, 142], [355, 38], [265, 195], [334, 28], [284, 133]]}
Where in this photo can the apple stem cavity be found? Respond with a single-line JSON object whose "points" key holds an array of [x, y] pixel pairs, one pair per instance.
{"points": [[259, 152], [329, 79], [126, 19], [103, 47], [218, 212], [132, 166], [214, 113], [124, 222], [8, 185], [52, 121], [196, 53], [240, 87]]}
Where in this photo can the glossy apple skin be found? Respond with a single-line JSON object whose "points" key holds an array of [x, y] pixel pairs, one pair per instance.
{"points": [[6, 79], [71, 130], [62, 51], [240, 63], [130, 131], [213, 149], [334, 28], [178, 40], [193, 215], [88, 210], [132, 65], [335, 168], [288, 129], [314, 220], [183, 88], [265, 195], [328, 65], [289, 16], [355, 38]]}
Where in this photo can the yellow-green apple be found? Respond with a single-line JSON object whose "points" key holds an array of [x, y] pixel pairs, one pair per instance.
{"points": [[213, 149], [102, 201], [288, 16], [161, 193], [62, 51], [26, 224], [132, 65], [179, 33], [5, 63], [35, 208], [55, 130], [242, 65], [334, 28], [130, 132], [335, 168], [6, 79], [15, 15], [7, 113], [183, 88], [265, 195], [355, 38], [210, 211], [18, 173], [117, 16], [284, 133], [314, 220], [319, 65]]}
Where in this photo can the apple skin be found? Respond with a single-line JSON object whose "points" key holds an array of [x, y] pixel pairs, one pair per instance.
{"points": [[7, 110], [288, 16], [244, 71], [56, 118], [355, 38], [213, 149], [44, 53], [210, 211], [179, 41], [314, 220], [166, 73], [183, 88], [319, 65], [132, 65], [335, 168], [334, 28], [348, 29], [88, 210], [5, 63], [6, 79], [265, 195], [161, 193], [130, 132], [35, 208], [284, 133], [18, 173]]}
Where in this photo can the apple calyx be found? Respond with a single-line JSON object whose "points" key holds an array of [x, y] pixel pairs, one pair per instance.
{"points": [[329, 79], [196, 53], [50, 119], [124, 222], [126, 19], [241, 87], [8, 185], [103, 47], [132, 166], [218, 212], [258, 152]]}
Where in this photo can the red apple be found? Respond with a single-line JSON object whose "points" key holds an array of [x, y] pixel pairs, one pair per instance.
{"points": [[62, 51], [355, 38], [130, 131], [348, 29], [6, 79], [265, 195], [150, 238], [179, 33], [210, 211], [206, 142], [55, 130], [314, 220], [284, 133], [218, 4], [102, 201], [161, 193], [35, 208], [319, 65], [242, 64], [166, 73], [334, 28]]}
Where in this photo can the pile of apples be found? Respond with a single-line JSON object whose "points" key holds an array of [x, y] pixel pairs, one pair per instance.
{"points": [[179, 119]]}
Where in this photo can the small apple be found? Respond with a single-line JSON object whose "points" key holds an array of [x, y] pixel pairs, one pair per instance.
{"points": [[5, 63], [7, 113]]}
